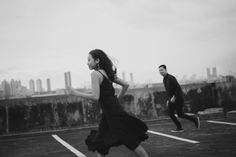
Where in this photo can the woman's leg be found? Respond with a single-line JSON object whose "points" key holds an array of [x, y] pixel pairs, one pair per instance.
{"points": [[140, 152]]}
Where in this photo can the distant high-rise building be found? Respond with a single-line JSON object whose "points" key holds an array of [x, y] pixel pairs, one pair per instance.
{"points": [[67, 80], [39, 85], [6, 89], [213, 75], [214, 72], [18, 84], [208, 73], [123, 75], [32, 86], [13, 87], [48, 85], [131, 78]]}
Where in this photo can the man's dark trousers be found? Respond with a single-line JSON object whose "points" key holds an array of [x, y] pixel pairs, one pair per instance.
{"points": [[178, 107]]}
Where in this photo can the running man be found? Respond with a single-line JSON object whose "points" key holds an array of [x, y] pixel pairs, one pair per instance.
{"points": [[175, 100]]}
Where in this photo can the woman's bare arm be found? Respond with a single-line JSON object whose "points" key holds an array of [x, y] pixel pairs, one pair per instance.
{"points": [[95, 80]]}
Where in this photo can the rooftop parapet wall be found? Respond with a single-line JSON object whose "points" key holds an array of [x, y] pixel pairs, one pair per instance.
{"points": [[64, 111]]}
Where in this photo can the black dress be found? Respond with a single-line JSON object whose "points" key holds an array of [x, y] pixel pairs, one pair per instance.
{"points": [[116, 127]]}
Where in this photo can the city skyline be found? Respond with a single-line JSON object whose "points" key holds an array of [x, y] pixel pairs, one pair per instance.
{"points": [[211, 74], [43, 39]]}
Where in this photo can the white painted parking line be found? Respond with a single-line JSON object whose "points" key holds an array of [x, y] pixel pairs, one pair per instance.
{"points": [[174, 137], [68, 146], [218, 122]]}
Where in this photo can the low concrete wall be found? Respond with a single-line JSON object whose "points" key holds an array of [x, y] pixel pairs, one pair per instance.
{"points": [[62, 111]]}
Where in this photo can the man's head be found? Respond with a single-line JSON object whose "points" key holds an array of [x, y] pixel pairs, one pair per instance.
{"points": [[163, 70]]}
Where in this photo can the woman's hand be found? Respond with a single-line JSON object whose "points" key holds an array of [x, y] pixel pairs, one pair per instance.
{"points": [[124, 88], [172, 100], [167, 103]]}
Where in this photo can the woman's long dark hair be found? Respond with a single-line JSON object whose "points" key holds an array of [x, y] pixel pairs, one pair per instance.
{"points": [[105, 63]]}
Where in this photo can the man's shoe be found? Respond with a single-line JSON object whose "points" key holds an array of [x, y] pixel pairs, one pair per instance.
{"points": [[197, 122], [178, 130]]}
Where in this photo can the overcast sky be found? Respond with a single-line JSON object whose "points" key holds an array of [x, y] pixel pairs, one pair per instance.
{"points": [[45, 38]]}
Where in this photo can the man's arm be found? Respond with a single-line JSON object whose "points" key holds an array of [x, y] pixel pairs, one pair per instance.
{"points": [[176, 89]]}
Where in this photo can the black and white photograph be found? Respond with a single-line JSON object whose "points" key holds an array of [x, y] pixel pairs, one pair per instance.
{"points": [[117, 78]]}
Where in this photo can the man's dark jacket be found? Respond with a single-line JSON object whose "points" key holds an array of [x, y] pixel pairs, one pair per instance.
{"points": [[173, 88]]}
